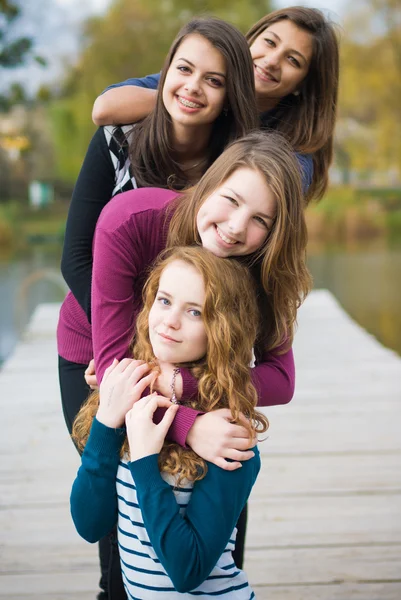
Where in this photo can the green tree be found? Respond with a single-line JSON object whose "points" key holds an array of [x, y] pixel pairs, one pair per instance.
{"points": [[370, 110], [14, 50]]}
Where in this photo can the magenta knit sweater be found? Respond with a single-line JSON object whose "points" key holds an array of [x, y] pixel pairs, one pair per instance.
{"points": [[130, 233]]}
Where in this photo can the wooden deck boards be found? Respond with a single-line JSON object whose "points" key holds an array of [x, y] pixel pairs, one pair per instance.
{"points": [[325, 516]]}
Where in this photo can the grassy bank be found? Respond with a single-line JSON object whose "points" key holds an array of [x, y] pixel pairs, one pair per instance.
{"points": [[347, 214], [21, 225]]}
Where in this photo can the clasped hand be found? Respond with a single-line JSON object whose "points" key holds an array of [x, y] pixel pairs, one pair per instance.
{"points": [[120, 399], [144, 436], [123, 384], [213, 435]]}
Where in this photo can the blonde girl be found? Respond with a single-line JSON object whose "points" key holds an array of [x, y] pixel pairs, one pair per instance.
{"points": [[176, 513]]}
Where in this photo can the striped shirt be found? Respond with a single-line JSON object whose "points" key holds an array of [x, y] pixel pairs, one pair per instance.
{"points": [[173, 543], [143, 574]]}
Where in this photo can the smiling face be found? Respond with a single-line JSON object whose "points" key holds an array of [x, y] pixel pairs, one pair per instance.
{"points": [[176, 329], [194, 91], [236, 218], [281, 57]]}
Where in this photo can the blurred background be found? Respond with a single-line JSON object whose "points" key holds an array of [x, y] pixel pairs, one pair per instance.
{"points": [[56, 56]]}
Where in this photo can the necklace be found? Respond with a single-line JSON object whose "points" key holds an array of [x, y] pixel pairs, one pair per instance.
{"points": [[174, 398], [192, 166], [171, 179]]}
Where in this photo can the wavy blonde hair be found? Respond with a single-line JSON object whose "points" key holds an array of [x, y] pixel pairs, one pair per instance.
{"points": [[231, 316]]}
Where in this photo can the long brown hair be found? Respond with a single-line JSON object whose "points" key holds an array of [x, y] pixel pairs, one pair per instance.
{"points": [[230, 315], [279, 266], [307, 120], [150, 151]]}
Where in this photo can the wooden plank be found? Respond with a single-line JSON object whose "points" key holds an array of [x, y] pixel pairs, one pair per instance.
{"points": [[336, 591], [80, 595], [50, 596], [324, 519], [304, 521], [54, 585], [63, 556], [328, 565], [332, 433], [332, 474]]}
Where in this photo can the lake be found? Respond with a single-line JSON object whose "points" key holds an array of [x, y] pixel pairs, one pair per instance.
{"points": [[366, 280], [26, 280]]}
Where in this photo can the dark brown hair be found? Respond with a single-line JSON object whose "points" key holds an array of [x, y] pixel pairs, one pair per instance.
{"points": [[307, 120], [150, 151], [279, 266]]}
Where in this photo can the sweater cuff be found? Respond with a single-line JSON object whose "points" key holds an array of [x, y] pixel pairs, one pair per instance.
{"points": [[106, 440], [183, 421], [189, 385], [145, 472]]}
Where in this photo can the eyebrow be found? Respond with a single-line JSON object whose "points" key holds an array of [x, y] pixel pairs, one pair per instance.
{"points": [[194, 66], [293, 51], [259, 214], [188, 303]]}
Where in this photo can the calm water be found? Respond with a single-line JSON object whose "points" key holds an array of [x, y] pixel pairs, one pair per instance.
{"points": [[26, 280], [365, 280]]}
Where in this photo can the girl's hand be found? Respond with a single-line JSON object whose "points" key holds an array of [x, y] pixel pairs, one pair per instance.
{"points": [[216, 439], [90, 375], [122, 385], [144, 436]]}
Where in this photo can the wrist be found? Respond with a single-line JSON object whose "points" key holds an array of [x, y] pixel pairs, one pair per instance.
{"points": [[192, 433], [138, 451], [109, 420]]}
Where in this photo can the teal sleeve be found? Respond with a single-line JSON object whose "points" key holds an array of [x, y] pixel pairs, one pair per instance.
{"points": [[93, 499], [190, 546]]}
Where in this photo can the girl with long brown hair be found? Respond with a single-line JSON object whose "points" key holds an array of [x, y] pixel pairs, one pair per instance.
{"points": [[296, 68], [176, 513]]}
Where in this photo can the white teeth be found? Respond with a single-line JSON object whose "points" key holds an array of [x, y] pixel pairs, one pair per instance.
{"points": [[224, 238], [265, 74], [188, 103]]}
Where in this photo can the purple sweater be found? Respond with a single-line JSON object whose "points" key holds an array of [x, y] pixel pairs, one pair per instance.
{"points": [[130, 233]]}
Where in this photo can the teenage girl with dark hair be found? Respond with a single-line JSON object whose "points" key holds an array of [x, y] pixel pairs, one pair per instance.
{"points": [[296, 67]]}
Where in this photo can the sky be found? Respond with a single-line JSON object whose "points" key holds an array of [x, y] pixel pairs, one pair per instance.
{"points": [[55, 26]]}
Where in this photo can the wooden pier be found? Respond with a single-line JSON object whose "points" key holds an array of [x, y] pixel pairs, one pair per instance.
{"points": [[325, 514]]}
